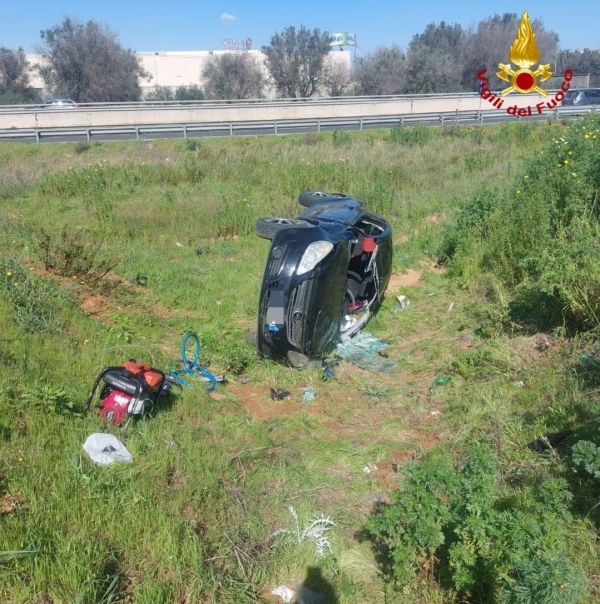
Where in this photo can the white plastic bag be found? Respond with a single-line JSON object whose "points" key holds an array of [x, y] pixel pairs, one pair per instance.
{"points": [[105, 449], [285, 593]]}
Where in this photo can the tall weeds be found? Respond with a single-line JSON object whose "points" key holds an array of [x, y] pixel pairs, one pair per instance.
{"points": [[538, 235]]}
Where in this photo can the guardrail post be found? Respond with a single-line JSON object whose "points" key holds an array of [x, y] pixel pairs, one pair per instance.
{"points": [[37, 136], [360, 122], [442, 119], [231, 129], [318, 126], [87, 132], [185, 132], [137, 133], [275, 125], [402, 121]]}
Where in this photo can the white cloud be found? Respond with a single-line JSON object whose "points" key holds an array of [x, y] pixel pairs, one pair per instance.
{"points": [[227, 17]]}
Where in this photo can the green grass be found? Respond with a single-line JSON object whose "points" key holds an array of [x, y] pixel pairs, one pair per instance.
{"points": [[193, 518]]}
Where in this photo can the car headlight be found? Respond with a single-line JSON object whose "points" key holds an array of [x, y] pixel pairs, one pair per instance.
{"points": [[313, 254]]}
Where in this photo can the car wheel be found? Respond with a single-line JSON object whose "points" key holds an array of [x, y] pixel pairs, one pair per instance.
{"points": [[309, 198], [268, 227]]}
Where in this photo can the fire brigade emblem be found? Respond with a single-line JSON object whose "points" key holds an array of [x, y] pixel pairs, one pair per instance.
{"points": [[524, 53]]}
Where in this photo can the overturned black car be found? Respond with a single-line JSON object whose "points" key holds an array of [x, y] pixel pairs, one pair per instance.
{"points": [[326, 273]]}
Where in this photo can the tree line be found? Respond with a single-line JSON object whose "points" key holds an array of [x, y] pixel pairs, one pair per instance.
{"points": [[86, 62]]}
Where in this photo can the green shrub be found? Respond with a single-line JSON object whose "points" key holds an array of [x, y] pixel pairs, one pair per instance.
{"points": [[409, 135], [74, 254], [539, 235], [81, 147], [463, 525], [548, 579], [587, 455], [341, 138], [33, 299]]}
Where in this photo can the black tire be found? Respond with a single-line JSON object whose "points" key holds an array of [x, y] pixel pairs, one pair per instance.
{"points": [[268, 227], [309, 198]]}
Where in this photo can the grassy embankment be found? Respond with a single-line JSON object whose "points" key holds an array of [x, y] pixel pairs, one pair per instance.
{"points": [[193, 518]]}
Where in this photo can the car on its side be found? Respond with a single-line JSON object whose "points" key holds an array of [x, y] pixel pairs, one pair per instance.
{"points": [[581, 96], [59, 104], [325, 275]]}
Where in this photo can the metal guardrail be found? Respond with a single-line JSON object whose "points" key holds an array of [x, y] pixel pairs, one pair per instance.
{"points": [[255, 128], [278, 102]]}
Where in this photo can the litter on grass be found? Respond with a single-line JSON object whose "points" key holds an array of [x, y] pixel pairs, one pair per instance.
{"points": [[285, 593], [279, 394], [328, 372], [440, 380], [309, 395], [105, 449], [403, 304], [363, 350]]}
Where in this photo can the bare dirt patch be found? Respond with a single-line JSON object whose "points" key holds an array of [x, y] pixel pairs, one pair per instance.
{"points": [[10, 503], [408, 279]]}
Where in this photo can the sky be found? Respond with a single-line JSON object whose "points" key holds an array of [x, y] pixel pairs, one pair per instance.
{"points": [[178, 25]]}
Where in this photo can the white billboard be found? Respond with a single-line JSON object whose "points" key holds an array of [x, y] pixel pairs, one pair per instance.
{"points": [[342, 39]]}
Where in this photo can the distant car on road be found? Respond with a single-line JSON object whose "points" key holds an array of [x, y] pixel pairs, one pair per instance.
{"points": [[59, 104], [582, 96]]}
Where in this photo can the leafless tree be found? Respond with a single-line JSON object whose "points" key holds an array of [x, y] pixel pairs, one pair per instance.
{"points": [[87, 63], [233, 76], [295, 60], [336, 77]]}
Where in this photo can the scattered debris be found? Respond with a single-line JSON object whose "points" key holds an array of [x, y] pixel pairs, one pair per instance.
{"points": [[440, 380], [451, 306], [370, 468], [328, 372], [403, 304], [279, 394], [363, 351], [589, 360], [309, 395], [244, 379], [105, 449], [285, 593], [548, 441]]}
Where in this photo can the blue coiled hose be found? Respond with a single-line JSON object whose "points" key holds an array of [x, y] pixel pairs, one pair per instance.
{"points": [[192, 367]]}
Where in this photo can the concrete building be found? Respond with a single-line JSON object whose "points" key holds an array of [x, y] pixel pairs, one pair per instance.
{"points": [[183, 68]]}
